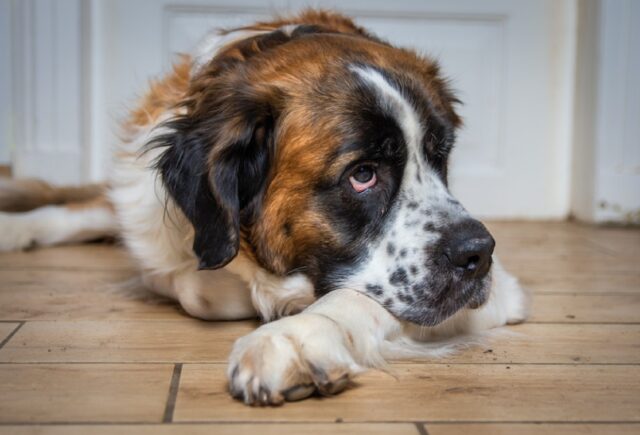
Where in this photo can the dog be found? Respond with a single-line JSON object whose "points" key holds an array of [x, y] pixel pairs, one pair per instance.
{"points": [[296, 170]]}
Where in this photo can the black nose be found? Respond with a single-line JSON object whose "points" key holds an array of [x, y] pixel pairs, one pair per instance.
{"points": [[470, 247]]}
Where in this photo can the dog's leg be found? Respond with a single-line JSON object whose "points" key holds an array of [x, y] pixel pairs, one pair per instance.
{"points": [[21, 195], [341, 335], [53, 225], [320, 349], [211, 295]]}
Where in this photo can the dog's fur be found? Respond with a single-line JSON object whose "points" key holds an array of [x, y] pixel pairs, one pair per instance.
{"points": [[238, 193]]}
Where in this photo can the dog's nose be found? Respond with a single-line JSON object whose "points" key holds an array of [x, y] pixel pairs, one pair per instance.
{"points": [[470, 247]]}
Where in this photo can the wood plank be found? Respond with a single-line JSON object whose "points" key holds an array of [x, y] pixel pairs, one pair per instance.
{"points": [[543, 247], [189, 340], [536, 249], [578, 273], [557, 344], [327, 428], [623, 242], [100, 295], [539, 244], [436, 392], [543, 230], [596, 264], [197, 341], [533, 429], [584, 282], [79, 295], [83, 393], [571, 308], [219, 429], [567, 257], [95, 256], [563, 231], [6, 329]]}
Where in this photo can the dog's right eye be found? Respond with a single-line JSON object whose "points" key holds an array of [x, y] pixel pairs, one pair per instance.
{"points": [[363, 177]]}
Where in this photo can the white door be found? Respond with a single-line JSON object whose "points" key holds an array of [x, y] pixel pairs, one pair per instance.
{"points": [[506, 58], [510, 60]]}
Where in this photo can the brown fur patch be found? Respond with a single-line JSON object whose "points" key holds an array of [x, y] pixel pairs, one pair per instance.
{"points": [[101, 201], [29, 194]]}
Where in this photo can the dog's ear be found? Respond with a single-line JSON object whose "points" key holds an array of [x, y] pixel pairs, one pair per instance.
{"points": [[216, 164], [218, 151]]}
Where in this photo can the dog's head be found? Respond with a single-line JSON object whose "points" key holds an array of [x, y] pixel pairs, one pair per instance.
{"points": [[324, 152]]}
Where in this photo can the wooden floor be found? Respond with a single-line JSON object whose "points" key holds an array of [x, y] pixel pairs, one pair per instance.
{"points": [[79, 355]]}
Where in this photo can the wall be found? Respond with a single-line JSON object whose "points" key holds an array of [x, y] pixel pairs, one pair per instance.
{"points": [[6, 95], [539, 97], [47, 84], [606, 167]]}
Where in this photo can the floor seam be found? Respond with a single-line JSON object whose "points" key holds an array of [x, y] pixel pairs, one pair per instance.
{"points": [[392, 362], [10, 336], [317, 422], [421, 428], [173, 394]]}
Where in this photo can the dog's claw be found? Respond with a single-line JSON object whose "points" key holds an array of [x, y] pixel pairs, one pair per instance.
{"points": [[334, 387], [263, 396]]}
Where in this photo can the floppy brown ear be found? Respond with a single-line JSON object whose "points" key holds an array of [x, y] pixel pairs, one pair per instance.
{"points": [[215, 167]]}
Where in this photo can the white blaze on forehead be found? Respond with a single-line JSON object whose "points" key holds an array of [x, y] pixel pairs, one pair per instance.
{"points": [[396, 104], [396, 271]]}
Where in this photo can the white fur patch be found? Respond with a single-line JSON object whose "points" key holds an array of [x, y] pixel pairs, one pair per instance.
{"points": [[393, 102], [54, 225]]}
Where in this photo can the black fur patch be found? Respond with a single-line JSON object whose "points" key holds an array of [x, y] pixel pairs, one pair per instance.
{"points": [[391, 248], [375, 289], [429, 227], [399, 277]]}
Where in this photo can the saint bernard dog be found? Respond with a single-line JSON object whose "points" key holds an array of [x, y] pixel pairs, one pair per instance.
{"points": [[294, 170]]}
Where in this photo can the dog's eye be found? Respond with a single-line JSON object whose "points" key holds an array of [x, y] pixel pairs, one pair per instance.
{"points": [[363, 177]]}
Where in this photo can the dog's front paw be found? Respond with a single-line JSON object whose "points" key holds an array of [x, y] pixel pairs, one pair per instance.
{"points": [[518, 305], [291, 359], [514, 297]]}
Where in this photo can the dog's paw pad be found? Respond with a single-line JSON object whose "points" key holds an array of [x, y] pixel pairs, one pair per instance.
{"points": [[298, 392]]}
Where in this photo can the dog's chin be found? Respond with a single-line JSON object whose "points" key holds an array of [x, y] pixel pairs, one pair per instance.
{"points": [[458, 295]]}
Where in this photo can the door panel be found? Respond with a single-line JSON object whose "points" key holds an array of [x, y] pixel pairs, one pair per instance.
{"points": [[510, 62]]}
